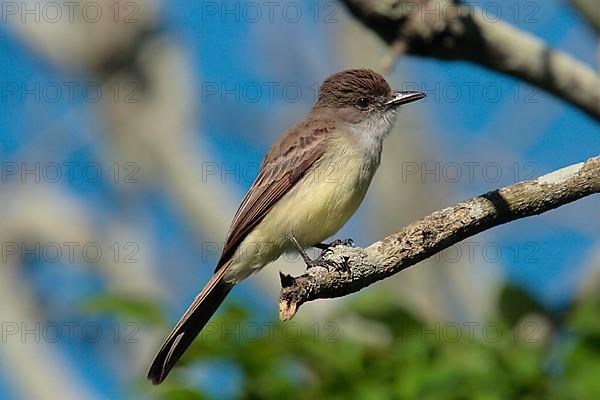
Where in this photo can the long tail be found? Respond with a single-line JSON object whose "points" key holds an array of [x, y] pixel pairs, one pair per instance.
{"points": [[189, 326]]}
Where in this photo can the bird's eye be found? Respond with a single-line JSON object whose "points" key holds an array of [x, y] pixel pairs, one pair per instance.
{"points": [[363, 102]]}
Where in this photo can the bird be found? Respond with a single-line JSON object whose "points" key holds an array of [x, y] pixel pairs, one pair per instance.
{"points": [[311, 181]]}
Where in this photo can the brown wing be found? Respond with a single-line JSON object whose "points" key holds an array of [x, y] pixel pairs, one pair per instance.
{"points": [[287, 161]]}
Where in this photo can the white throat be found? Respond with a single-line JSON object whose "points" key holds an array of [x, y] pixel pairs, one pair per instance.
{"points": [[369, 135]]}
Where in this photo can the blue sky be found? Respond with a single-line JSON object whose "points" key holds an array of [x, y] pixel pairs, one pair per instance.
{"points": [[535, 136]]}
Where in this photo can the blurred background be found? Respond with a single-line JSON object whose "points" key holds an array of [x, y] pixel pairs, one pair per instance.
{"points": [[130, 131]]}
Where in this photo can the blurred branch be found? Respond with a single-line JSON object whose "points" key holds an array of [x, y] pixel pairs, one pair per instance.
{"points": [[148, 113], [590, 10], [151, 121], [436, 232], [38, 370], [448, 30], [36, 366]]}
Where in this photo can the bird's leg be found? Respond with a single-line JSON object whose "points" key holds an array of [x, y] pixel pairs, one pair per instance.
{"points": [[307, 260], [310, 263]]}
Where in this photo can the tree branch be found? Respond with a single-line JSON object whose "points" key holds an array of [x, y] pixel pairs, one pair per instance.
{"points": [[590, 10], [446, 29], [436, 232]]}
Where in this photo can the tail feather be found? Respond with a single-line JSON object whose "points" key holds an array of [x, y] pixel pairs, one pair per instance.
{"points": [[189, 326]]}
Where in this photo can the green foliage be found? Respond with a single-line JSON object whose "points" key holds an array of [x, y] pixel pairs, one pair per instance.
{"points": [[394, 354], [582, 353], [142, 310]]}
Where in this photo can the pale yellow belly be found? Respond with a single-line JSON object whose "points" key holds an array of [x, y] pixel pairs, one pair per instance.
{"points": [[320, 204]]}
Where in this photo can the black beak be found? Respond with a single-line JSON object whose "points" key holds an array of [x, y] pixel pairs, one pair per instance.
{"points": [[400, 98]]}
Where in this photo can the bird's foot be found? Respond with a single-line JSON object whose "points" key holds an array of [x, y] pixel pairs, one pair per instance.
{"points": [[337, 242], [320, 261], [327, 249], [329, 265]]}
